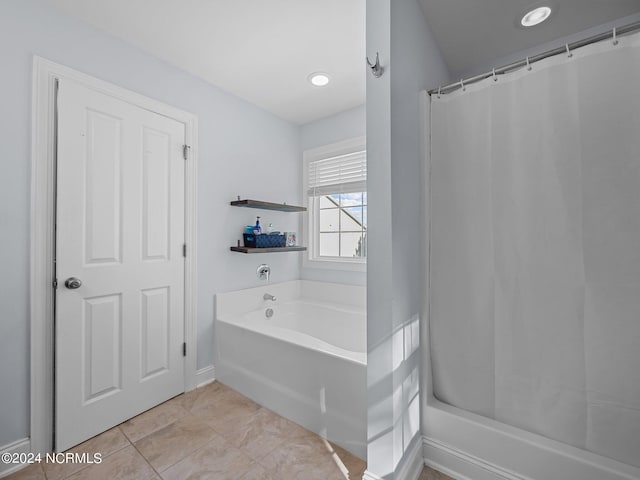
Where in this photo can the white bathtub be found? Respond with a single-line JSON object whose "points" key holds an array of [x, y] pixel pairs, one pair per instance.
{"points": [[307, 362], [472, 447]]}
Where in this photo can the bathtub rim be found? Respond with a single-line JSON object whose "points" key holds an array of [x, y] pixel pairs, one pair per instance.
{"points": [[340, 307], [251, 298], [299, 339], [453, 456]]}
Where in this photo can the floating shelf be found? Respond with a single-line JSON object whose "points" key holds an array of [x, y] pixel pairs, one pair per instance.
{"points": [[267, 250], [282, 207]]}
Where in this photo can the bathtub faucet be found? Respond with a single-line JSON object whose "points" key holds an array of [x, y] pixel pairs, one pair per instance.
{"points": [[263, 271], [268, 296]]}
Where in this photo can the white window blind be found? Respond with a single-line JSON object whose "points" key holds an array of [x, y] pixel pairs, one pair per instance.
{"points": [[340, 174]]}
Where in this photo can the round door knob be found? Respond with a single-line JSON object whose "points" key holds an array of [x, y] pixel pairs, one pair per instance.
{"points": [[72, 283]]}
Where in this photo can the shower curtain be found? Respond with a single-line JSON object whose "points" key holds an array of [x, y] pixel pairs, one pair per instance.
{"points": [[535, 248]]}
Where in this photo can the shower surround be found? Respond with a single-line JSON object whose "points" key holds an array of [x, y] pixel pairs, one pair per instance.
{"points": [[535, 267]]}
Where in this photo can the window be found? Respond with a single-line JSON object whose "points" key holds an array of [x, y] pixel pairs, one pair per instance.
{"points": [[335, 183]]}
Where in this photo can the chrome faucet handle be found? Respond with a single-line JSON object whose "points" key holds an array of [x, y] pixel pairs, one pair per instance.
{"points": [[263, 271], [268, 296]]}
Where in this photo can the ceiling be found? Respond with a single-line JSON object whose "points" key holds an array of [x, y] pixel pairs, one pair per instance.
{"points": [[472, 33], [261, 51]]}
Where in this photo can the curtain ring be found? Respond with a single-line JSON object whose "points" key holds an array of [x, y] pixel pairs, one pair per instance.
{"points": [[464, 89], [528, 64], [615, 40], [569, 52], [495, 78]]}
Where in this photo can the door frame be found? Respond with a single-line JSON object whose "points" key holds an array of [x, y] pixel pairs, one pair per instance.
{"points": [[43, 145]]}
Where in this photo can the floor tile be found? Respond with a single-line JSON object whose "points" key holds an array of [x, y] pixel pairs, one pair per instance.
{"points": [[216, 460], [259, 433], [125, 464], [105, 444], [174, 442], [153, 420], [258, 472], [199, 396], [354, 465], [309, 458], [225, 406], [215, 433], [32, 472]]}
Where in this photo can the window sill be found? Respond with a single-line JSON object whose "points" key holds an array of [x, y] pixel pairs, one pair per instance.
{"points": [[349, 266]]}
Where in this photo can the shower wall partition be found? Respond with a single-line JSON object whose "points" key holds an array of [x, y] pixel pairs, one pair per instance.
{"points": [[534, 316]]}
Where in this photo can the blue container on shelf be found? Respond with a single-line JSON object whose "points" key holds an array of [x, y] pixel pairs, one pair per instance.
{"points": [[249, 240], [270, 241]]}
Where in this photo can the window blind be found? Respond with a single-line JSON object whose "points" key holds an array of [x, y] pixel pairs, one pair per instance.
{"points": [[341, 174]]}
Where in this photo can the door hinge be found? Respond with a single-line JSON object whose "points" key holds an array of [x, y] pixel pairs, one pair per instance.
{"points": [[185, 151], [184, 349], [55, 283], [184, 250]]}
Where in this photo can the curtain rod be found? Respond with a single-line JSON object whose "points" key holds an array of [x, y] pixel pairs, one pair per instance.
{"points": [[630, 28]]}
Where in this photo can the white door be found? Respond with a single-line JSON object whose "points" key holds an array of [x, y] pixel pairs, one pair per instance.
{"points": [[120, 231]]}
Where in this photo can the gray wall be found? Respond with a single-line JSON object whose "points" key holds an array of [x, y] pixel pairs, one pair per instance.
{"points": [[345, 125], [497, 62], [398, 30], [242, 151], [515, 57]]}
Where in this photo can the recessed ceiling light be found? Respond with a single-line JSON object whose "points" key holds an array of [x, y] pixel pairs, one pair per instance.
{"points": [[319, 79], [535, 16]]}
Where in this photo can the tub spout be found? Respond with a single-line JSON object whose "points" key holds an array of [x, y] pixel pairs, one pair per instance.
{"points": [[268, 296]]}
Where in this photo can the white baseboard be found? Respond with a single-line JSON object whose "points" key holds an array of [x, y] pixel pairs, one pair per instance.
{"points": [[205, 376], [410, 469], [414, 463], [462, 466], [370, 476], [20, 446]]}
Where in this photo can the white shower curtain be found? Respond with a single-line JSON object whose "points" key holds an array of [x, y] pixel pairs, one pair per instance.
{"points": [[535, 248]]}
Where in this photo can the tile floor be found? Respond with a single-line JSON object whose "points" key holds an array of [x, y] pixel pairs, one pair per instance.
{"points": [[210, 433]]}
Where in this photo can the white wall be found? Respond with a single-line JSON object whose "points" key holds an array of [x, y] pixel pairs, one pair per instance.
{"points": [[243, 151], [342, 126], [395, 276]]}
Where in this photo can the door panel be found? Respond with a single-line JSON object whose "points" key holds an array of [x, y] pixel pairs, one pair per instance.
{"points": [[155, 331], [156, 186], [120, 229], [102, 225], [102, 344]]}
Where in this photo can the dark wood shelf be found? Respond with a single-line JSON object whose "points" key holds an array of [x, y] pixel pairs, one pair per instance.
{"points": [[282, 207], [267, 250]]}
